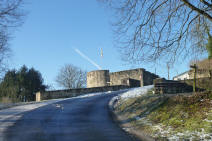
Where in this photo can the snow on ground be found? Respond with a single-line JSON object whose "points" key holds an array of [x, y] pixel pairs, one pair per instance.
{"points": [[92, 94], [135, 92]]}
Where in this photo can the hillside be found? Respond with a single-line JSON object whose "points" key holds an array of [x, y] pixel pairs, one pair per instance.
{"points": [[170, 117]]}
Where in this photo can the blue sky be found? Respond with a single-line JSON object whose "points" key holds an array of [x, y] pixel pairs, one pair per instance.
{"points": [[53, 29]]}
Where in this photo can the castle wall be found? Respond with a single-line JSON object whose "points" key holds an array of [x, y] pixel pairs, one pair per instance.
{"points": [[148, 78], [133, 78], [75, 92], [98, 78], [118, 78], [163, 86], [101, 81]]}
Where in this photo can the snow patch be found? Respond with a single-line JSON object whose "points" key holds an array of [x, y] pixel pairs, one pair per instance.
{"points": [[136, 92], [160, 130]]}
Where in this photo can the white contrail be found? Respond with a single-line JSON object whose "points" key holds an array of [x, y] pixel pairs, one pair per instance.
{"points": [[88, 59]]}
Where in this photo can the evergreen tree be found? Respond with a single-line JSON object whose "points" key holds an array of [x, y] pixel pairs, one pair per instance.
{"points": [[9, 87], [22, 85]]}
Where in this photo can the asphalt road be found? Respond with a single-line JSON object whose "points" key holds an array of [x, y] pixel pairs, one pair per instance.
{"points": [[78, 119]]}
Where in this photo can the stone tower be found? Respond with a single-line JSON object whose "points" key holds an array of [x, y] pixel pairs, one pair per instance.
{"points": [[99, 78]]}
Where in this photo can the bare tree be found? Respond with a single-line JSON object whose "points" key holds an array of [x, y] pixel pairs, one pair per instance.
{"points": [[147, 30], [71, 76], [11, 16]]}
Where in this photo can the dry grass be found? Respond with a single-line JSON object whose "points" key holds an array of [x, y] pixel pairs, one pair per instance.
{"points": [[168, 116], [6, 100]]}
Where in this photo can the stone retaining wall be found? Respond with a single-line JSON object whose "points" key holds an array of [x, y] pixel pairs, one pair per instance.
{"points": [[163, 86], [201, 83], [75, 92]]}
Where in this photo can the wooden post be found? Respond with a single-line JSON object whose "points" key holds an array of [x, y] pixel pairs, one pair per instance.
{"points": [[195, 72]]}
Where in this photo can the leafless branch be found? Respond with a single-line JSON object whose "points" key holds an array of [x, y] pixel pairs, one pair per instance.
{"points": [[150, 30], [70, 77], [11, 16]]}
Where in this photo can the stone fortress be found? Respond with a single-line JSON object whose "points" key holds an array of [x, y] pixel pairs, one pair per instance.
{"points": [[103, 81], [132, 78]]}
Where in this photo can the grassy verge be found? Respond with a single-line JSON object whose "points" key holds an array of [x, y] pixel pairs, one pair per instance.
{"points": [[176, 117]]}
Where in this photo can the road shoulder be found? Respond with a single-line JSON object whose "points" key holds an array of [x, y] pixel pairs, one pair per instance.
{"points": [[127, 127]]}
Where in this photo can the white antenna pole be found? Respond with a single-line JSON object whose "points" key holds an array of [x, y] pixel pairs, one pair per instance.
{"points": [[101, 52], [168, 67], [101, 55]]}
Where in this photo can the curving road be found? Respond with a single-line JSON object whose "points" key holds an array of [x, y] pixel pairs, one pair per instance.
{"points": [[77, 119]]}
